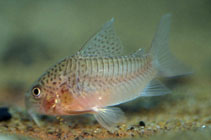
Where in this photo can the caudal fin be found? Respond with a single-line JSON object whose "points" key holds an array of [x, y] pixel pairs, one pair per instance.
{"points": [[163, 60]]}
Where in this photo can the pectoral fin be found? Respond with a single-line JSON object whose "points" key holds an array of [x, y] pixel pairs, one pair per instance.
{"points": [[109, 117]]}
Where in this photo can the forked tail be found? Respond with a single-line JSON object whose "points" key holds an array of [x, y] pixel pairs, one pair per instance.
{"points": [[163, 60]]}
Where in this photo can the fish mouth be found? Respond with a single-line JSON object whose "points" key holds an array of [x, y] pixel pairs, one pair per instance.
{"points": [[30, 104], [27, 102]]}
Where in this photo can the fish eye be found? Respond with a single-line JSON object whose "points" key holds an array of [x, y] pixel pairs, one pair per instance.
{"points": [[36, 92]]}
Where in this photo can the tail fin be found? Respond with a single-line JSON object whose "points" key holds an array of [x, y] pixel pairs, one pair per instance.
{"points": [[163, 60]]}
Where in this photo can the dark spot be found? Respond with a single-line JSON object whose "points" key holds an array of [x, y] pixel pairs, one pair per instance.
{"points": [[30, 128], [4, 114], [6, 126], [79, 138], [141, 123], [54, 83], [83, 65], [59, 134], [69, 79], [51, 132], [86, 134], [131, 128]]}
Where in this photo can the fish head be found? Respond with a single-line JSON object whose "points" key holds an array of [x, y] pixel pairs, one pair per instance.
{"points": [[34, 98], [43, 96]]}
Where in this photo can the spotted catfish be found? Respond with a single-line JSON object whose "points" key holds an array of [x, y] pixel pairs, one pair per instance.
{"points": [[98, 77]]}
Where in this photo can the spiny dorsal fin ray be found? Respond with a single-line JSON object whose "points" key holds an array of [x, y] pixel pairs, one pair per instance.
{"points": [[104, 43]]}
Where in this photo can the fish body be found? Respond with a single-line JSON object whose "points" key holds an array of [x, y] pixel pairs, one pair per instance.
{"points": [[79, 84], [98, 77]]}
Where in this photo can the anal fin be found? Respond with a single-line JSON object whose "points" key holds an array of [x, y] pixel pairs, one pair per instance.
{"points": [[155, 88], [109, 117]]}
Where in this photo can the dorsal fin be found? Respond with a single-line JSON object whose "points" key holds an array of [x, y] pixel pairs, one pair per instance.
{"points": [[104, 43]]}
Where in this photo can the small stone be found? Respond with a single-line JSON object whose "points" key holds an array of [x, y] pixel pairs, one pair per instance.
{"points": [[149, 128], [132, 135], [77, 138], [4, 114], [162, 125], [208, 121], [97, 130], [157, 126], [30, 128], [142, 131], [203, 126], [142, 127], [141, 123], [85, 133], [131, 128]]}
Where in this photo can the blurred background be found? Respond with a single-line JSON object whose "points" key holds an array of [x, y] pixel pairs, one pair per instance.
{"points": [[37, 34]]}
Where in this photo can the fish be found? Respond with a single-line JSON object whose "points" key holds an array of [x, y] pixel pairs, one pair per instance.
{"points": [[98, 77]]}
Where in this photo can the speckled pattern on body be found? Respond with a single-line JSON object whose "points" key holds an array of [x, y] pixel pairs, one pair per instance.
{"points": [[98, 76], [64, 26]]}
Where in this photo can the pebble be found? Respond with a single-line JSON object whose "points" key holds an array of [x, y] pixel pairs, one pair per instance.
{"points": [[141, 123], [203, 126], [4, 114], [131, 128]]}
